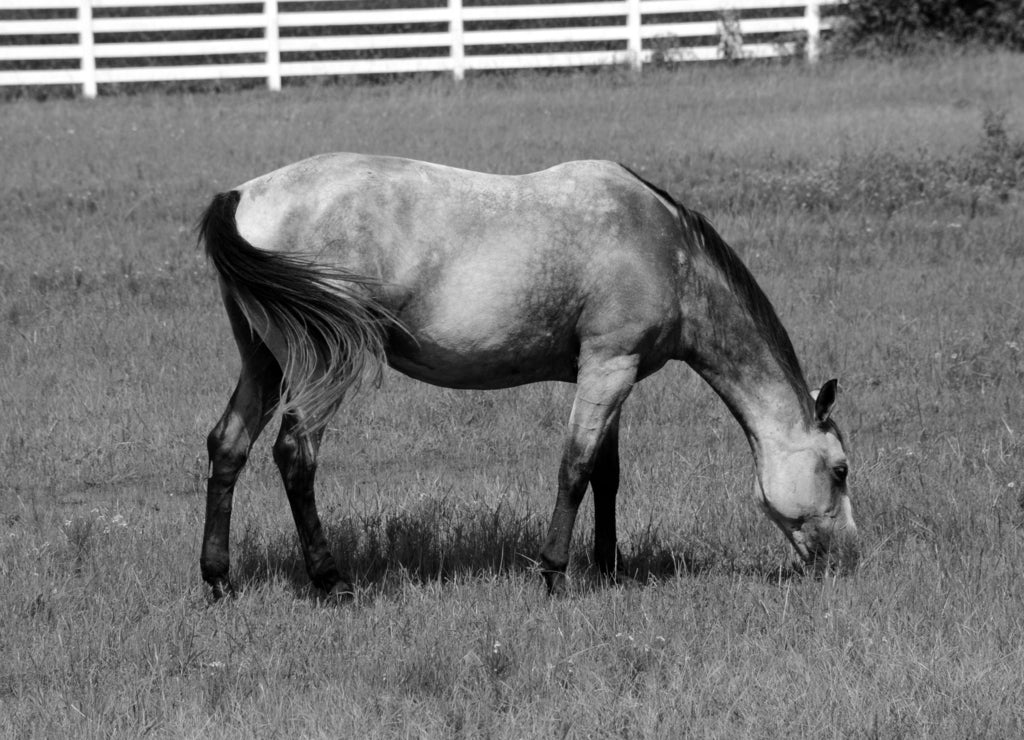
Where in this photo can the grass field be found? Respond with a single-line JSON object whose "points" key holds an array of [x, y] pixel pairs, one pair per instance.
{"points": [[880, 205]]}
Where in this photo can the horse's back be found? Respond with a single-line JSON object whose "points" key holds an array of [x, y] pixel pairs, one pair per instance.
{"points": [[497, 278], [297, 206]]}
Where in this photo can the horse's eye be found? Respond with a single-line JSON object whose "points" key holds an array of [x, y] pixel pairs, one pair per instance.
{"points": [[839, 473]]}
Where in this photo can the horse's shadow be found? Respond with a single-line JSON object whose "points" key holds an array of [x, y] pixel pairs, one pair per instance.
{"points": [[383, 553]]}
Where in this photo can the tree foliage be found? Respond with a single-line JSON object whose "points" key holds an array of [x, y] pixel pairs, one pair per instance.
{"points": [[902, 27]]}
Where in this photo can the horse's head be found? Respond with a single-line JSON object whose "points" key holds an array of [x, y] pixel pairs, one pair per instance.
{"points": [[802, 487]]}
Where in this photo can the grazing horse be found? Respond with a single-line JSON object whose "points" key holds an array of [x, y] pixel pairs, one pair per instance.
{"points": [[581, 273]]}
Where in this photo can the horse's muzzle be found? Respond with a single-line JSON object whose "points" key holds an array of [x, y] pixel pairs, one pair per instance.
{"points": [[828, 543]]}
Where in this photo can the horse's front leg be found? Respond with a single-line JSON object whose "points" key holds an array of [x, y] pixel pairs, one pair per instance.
{"points": [[602, 385], [295, 453]]}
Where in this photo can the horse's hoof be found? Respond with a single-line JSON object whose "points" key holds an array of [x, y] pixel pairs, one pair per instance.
{"points": [[340, 594], [221, 588], [623, 580], [558, 584]]}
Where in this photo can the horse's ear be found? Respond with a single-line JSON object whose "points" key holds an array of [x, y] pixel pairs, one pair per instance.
{"points": [[825, 401]]}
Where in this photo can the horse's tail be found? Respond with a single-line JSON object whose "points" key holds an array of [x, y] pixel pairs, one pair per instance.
{"points": [[329, 324]]}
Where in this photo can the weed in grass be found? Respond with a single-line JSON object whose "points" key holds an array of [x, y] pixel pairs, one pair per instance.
{"points": [[999, 161]]}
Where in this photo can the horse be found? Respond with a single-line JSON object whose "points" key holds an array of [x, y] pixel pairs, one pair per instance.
{"points": [[584, 272]]}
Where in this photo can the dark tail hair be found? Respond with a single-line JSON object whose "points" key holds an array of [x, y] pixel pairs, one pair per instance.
{"points": [[330, 325]]}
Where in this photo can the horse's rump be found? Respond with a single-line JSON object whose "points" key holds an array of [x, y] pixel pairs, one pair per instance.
{"points": [[319, 320]]}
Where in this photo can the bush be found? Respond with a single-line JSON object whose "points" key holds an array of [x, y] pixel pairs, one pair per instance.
{"points": [[906, 27]]}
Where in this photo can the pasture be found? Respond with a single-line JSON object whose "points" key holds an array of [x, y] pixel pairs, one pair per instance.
{"points": [[879, 204]]}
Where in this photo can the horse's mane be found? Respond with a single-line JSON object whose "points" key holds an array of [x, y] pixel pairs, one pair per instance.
{"points": [[702, 236]]}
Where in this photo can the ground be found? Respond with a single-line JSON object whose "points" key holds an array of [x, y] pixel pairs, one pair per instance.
{"points": [[879, 205]]}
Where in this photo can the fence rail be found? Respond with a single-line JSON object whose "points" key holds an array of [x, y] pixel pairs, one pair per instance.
{"points": [[88, 43]]}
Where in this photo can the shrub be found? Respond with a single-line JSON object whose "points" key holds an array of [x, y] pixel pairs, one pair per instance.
{"points": [[905, 27]]}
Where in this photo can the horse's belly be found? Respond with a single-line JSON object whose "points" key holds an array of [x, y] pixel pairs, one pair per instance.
{"points": [[498, 360], [488, 321]]}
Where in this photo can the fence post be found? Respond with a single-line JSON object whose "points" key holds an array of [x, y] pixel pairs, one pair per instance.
{"points": [[812, 17], [634, 42], [86, 45], [458, 46], [272, 34]]}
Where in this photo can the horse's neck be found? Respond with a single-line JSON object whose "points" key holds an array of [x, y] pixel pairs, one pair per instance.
{"points": [[739, 358]]}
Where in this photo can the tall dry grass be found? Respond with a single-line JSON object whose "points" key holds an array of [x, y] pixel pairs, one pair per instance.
{"points": [[879, 203]]}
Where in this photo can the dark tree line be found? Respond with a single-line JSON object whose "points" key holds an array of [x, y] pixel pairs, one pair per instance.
{"points": [[908, 25]]}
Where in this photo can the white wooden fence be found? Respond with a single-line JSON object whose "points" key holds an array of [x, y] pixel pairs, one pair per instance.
{"points": [[87, 43]]}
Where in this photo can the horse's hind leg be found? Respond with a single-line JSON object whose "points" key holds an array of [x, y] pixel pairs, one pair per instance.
{"points": [[228, 444], [602, 386], [604, 481], [295, 453]]}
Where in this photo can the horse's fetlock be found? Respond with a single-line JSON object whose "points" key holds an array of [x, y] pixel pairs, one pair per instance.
{"points": [[215, 573], [550, 564]]}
